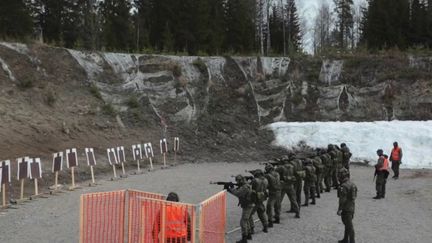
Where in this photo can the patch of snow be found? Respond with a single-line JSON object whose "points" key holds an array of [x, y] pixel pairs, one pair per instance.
{"points": [[92, 63], [18, 47], [5, 68], [363, 138], [330, 71]]}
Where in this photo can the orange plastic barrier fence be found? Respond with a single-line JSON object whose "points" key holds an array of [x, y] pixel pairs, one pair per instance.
{"points": [[213, 219], [150, 218], [134, 215], [167, 222], [102, 217]]}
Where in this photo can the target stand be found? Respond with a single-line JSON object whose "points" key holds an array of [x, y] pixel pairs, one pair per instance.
{"points": [[57, 166], [91, 162], [23, 173], [148, 149], [121, 157], [113, 161], [72, 163], [35, 175], [5, 180], [176, 149], [164, 150], [137, 156]]}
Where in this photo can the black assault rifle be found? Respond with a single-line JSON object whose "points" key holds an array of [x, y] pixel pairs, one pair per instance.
{"points": [[223, 183]]}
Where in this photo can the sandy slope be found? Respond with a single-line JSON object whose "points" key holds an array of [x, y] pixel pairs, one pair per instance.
{"points": [[404, 216]]}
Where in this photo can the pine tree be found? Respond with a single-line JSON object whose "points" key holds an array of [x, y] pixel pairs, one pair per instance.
{"points": [[216, 27], [240, 26], [344, 21], [116, 24], [142, 23], [276, 31], [15, 20], [418, 24], [293, 28], [168, 40]]}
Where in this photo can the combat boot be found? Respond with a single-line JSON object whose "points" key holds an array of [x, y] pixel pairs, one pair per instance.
{"points": [[243, 240], [276, 221], [265, 230], [270, 225], [297, 216], [249, 237]]}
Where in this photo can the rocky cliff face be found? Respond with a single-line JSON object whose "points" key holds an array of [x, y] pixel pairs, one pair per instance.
{"points": [[212, 100]]}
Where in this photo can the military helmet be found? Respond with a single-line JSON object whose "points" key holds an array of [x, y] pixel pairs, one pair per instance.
{"points": [[343, 145], [380, 152], [269, 168], [330, 147], [239, 178], [258, 172], [343, 173]]}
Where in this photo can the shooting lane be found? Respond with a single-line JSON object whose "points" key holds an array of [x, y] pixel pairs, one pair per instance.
{"points": [[91, 162], [5, 179], [137, 156], [72, 162], [112, 159], [23, 172], [148, 149], [164, 150], [121, 159]]}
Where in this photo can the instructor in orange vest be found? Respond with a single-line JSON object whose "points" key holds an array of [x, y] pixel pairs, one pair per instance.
{"points": [[177, 223], [396, 159], [381, 171]]}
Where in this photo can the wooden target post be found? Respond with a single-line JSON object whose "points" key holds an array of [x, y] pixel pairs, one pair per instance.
{"points": [[112, 159], [35, 174], [91, 162], [72, 162], [176, 148], [148, 149], [5, 179], [57, 166], [163, 149], [23, 172], [137, 155], [121, 157]]}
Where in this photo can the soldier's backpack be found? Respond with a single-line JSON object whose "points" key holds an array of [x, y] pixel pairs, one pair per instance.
{"points": [[317, 162], [298, 169]]}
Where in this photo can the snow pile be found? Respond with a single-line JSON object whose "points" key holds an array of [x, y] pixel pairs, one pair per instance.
{"points": [[363, 138], [6, 69]]}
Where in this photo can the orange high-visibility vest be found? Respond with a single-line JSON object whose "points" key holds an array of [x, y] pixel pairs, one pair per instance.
{"points": [[385, 164], [176, 220], [395, 154]]}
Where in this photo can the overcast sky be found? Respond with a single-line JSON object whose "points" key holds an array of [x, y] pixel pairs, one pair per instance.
{"points": [[307, 11]]}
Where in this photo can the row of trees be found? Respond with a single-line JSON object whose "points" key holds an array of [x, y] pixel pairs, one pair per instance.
{"points": [[378, 25], [216, 27], [204, 26]]}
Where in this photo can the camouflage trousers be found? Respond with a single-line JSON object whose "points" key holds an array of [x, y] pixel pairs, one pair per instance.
{"points": [[298, 190], [288, 189], [381, 182], [274, 205], [261, 211], [309, 191], [327, 178], [245, 219]]}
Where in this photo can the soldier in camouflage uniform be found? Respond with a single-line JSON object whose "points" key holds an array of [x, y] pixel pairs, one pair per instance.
{"points": [[347, 194], [288, 179], [334, 157], [299, 175], [310, 182], [274, 191], [346, 156], [327, 162], [319, 167], [244, 194], [259, 186]]}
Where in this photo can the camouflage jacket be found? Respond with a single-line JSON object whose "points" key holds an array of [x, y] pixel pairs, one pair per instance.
{"points": [[347, 194]]}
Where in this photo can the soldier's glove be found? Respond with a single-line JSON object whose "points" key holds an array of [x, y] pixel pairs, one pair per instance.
{"points": [[339, 212]]}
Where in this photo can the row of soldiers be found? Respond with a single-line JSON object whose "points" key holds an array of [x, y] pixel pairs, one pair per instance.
{"points": [[315, 172]]}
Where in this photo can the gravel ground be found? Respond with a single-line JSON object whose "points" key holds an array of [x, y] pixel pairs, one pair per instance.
{"points": [[404, 216]]}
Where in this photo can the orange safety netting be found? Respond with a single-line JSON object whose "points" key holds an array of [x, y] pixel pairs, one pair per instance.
{"points": [[102, 217], [167, 222], [213, 219], [134, 216]]}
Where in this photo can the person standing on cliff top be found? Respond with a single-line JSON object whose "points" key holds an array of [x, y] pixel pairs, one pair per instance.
{"points": [[396, 159]]}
